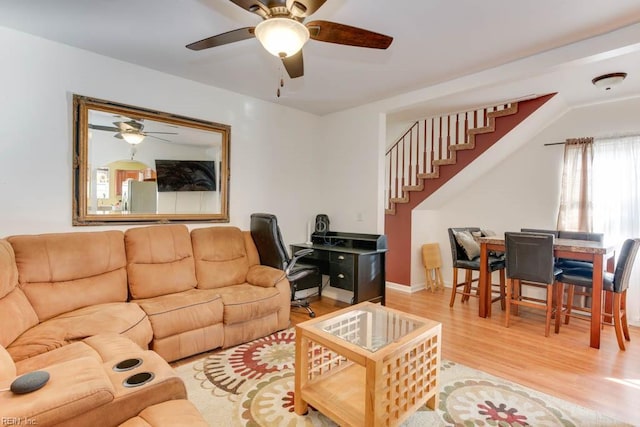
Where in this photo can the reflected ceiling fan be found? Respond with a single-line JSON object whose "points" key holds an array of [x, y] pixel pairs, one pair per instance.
{"points": [[131, 131], [282, 32]]}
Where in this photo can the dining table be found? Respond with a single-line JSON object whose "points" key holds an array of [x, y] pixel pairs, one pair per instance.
{"points": [[600, 254]]}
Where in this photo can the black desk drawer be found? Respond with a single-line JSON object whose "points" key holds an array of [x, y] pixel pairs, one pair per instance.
{"points": [[341, 258], [341, 270], [341, 279]]}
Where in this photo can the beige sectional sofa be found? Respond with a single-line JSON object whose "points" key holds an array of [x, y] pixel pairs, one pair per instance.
{"points": [[76, 304]]}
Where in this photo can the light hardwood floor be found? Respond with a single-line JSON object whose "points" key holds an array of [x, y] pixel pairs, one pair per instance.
{"points": [[563, 365]]}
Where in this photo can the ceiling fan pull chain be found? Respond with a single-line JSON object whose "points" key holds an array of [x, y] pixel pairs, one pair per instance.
{"points": [[281, 84]]}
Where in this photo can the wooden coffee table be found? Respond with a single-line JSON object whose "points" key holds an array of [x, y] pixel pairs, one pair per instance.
{"points": [[367, 365]]}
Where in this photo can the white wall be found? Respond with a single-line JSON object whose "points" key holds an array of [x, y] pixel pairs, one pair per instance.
{"points": [[272, 147], [524, 189], [351, 175]]}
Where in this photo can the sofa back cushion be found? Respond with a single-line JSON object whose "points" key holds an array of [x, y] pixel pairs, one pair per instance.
{"points": [[159, 260], [221, 256], [61, 272], [16, 313]]}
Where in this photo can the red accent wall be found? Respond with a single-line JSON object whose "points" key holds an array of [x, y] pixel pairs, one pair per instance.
{"points": [[398, 227]]}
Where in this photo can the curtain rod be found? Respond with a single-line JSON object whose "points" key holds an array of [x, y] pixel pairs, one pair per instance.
{"points": [[599, 138]]}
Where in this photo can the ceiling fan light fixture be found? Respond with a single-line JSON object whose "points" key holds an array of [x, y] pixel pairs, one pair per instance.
{"points": [[282, 37], [607, 81], [133, 138]]}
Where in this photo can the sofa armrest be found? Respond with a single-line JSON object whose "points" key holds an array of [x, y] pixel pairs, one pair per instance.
{"points": [[265, 276], [74, 387]]}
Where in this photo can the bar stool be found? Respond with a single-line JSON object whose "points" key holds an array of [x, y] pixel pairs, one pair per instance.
{"points": [[615, 283], [529, 261], [471, 262]]}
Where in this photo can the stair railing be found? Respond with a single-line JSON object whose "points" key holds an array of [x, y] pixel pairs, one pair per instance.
{"points": [[411, 159]]}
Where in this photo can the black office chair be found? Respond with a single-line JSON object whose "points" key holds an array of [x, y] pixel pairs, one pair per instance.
{"points": [[529, 260], [273, 252], [615, 283]]}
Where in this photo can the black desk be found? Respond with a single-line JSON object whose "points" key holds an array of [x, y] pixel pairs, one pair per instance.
{"points": [[353, 261]]}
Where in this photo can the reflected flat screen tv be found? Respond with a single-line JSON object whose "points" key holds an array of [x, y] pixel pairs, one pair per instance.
{"points": [[186, 175]]}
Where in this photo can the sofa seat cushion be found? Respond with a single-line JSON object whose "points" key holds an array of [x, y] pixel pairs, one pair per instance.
{"points": [[123, 318], [184, 311], [170, 413], [245, 302], [102, 347]]}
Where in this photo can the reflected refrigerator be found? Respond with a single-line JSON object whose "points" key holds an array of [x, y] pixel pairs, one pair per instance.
{"points": [[139, 196]]}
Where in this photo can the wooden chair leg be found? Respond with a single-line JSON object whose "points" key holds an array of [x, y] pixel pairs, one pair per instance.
{"points": [[617, 320], [428, 281], [623, 318], [570, 294], [508, 303], [439, 279], [515, 295], [549, 306], [559, 287], [467, 285], [502, 290], [454, 287]]}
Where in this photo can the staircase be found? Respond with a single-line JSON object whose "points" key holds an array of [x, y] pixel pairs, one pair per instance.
{"points": [[431, 143], [427, 156]]}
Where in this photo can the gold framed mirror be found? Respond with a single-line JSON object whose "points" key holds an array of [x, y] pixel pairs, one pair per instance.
{"points": [[135, 165]]}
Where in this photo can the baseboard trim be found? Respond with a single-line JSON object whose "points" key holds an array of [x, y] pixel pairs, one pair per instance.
{"points": [[410, 289], [404, 288]]}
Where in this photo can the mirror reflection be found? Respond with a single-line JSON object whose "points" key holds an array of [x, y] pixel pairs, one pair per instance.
{"points": [[137, 165]]}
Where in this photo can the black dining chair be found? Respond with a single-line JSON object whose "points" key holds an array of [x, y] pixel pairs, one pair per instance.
{"points": [[465, 255], [615, 284], [578, 297], [273, 252], [540, 231], [578, 235], [529, 260]]}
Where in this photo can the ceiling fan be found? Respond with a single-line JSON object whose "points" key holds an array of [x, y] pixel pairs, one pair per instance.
{"points": [[131, 131], [283, 34]]}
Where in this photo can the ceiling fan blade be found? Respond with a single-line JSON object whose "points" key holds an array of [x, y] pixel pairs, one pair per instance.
{"points": [[160, 133], [157, 137], [303, 8], [333, 32], [100, 127], [224, 38], [294, 65], [253, 6]]}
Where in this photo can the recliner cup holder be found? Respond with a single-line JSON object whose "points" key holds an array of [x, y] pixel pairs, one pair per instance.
{"points": [[138, 379], [127, 365]]}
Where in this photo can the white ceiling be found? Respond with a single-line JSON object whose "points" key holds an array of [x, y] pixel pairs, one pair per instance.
{"points": [[434, 41]]}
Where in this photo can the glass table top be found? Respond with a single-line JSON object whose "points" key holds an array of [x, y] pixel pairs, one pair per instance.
{"points": [[370, 327]]}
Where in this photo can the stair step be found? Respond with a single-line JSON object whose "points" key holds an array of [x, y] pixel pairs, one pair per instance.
{"points": [[452, 150]]}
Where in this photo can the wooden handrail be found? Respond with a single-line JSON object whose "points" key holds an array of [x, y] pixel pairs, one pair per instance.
{"points": [[411, 158]]}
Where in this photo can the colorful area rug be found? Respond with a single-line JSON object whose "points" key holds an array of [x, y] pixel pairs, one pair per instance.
{"points": [[252, 385]]}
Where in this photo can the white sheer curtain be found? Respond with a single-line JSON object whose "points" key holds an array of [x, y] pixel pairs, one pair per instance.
{"points": [[615, 186]]}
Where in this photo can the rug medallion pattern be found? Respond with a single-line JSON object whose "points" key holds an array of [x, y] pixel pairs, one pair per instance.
{"points": [[252, 385]]}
